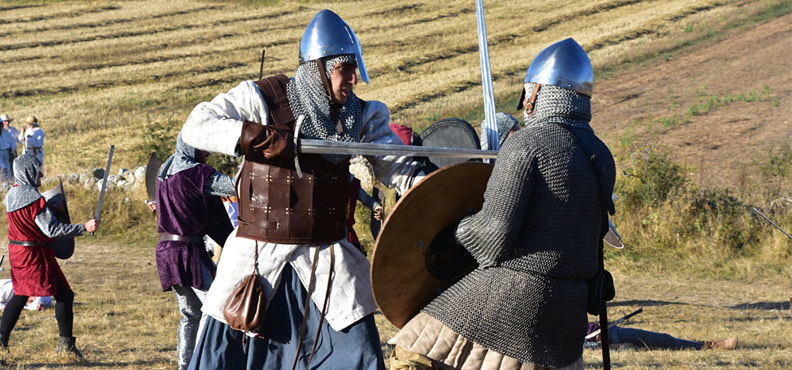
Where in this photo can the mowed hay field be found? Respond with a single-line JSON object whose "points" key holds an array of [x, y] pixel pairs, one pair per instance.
{"points": [[101, 73]]}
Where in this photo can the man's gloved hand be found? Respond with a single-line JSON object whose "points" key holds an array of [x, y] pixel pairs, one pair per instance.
{"points": [[261, 142]]}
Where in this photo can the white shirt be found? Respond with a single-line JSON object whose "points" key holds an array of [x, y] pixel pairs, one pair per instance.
{"points": [[33, 142], [216, 127]]}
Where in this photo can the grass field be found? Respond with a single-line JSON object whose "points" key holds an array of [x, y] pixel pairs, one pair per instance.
{"points": [[129, 72]]}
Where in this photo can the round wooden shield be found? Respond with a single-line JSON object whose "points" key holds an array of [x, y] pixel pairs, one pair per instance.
{"points": [[404, 275], [56, 201]]}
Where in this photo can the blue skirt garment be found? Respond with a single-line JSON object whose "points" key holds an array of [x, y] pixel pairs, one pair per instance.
{"points": [[355, 347]]}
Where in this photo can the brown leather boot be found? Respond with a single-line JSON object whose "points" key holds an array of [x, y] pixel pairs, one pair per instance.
{"points": [[728, 343]]}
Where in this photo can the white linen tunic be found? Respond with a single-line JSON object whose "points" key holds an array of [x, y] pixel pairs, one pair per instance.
{"points": [[216, 127]]}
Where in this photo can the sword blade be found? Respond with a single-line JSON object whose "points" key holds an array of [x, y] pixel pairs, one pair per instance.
{"points": [[612, 237], [310, 146], [104, 183], [490, 129], [771, 222], [617, 322]]}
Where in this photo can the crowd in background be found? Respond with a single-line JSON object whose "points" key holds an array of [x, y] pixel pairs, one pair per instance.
{"points": [[31, 140]]}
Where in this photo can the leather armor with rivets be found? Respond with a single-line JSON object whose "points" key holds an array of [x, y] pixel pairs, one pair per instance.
{"points": [[275, 204]]}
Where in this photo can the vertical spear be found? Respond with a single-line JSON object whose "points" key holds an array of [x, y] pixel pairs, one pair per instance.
{"points": [[490, 138]]}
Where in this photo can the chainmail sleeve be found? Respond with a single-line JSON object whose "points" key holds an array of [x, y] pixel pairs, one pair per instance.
{"points": [[496, 226], [219, 185], [367, 200], [53, 228]]}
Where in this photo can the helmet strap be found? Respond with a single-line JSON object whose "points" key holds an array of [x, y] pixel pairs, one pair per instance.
{"points": [[530, 103], [325, 81]]}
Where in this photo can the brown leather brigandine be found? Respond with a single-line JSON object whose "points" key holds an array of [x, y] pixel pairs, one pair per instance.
{"points": [[275, 205]]}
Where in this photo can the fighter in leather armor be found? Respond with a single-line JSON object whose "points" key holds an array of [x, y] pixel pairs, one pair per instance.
{"points": [[297, 223]]}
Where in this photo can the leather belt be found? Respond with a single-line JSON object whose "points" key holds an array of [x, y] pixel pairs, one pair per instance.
{"points": [[26, 243], [168, 237]]}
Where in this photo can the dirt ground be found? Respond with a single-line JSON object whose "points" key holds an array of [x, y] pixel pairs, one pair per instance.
{"points": [[722, 142], [693, 308]]}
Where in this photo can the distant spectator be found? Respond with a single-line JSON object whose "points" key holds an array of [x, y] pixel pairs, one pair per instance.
{"points": [[8, 142], [11, 129], [33, 138]]}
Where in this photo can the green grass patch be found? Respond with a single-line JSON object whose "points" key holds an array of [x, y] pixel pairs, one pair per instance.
{"points": [[708, 102]]}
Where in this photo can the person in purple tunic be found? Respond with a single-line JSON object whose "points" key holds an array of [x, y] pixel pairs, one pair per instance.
{"points": [[189, 207]]}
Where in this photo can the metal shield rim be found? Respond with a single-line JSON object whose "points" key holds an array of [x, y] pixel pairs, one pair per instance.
{"points": [[436, 130], [152, 170], [400, 282]]}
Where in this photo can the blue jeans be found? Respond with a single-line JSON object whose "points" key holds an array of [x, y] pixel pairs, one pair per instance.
{"points": [[640, 337]]}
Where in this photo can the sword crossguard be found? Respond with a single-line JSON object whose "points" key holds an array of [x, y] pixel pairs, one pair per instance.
{"points": [[297, 127]]}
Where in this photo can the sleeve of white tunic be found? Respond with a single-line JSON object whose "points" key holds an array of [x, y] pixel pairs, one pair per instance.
{"points": [[216, 126]]}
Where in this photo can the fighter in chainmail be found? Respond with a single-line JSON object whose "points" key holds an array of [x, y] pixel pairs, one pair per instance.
{"points": [[320, 305], [188, 207], [506, 125], [32, 229], [535, 239]]}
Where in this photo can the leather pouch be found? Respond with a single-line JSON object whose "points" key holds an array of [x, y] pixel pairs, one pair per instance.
{"points": [[600, 289], [245, 308]]}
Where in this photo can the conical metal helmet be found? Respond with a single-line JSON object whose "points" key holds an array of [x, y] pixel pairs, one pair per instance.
{"points": [[328, 35], [564, 64]]}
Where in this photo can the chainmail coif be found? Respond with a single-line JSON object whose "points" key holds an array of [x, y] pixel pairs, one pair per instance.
{"points": [[535, 240], [559, 105], [183, 158], [308, 96], [25, 191]]}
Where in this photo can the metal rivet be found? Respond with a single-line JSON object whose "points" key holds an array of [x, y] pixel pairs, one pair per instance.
{"points": [[420, 244]]}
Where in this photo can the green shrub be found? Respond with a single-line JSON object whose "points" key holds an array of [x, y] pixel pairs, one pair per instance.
{"points": [[159, 138], [649, 178]]}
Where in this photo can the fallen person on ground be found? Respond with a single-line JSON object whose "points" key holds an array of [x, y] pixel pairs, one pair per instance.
{"points": [[621, 337]]}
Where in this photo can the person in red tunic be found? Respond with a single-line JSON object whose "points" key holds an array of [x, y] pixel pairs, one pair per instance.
{"points": [[34, 271]]}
